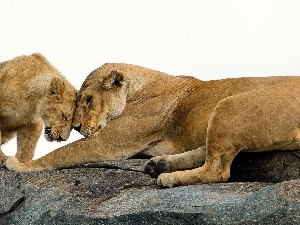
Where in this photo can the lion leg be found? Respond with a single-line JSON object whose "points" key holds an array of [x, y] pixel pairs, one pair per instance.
{"points": [[94, 149], [60, 158], [73, 154], [2, 155], [27, 138], [169, 163], [221, 148], [5, 136], [85, 150], [215, 169], [2, 158]]}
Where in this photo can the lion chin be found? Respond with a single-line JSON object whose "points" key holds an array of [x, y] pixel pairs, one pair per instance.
{"points": [[192, 128], [90, 131]]}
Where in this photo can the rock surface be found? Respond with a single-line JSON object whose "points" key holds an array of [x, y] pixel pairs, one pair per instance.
{"points": [[120, 193]]}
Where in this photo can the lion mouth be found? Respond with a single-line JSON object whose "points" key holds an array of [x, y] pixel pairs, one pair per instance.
{"points": [[49, 133]]}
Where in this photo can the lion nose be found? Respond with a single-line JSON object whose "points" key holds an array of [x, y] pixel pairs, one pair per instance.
{"points": [[78, 128], [47, 130]]}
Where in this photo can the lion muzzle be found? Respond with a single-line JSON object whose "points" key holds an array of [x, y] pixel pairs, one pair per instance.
{"points": [[52, 137]]}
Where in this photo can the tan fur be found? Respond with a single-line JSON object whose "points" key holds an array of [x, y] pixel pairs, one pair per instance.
{"points": [[141, 111], [33, 92]]}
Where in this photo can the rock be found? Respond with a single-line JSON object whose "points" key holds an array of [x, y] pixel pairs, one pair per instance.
{"points": [[10, 193], [273, 166], [119, 192]]}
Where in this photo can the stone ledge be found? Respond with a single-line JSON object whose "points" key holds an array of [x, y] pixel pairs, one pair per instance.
{"points": [[119, 193]]}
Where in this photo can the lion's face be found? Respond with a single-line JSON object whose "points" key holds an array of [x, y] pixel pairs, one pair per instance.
{"points": [[57, 111], [100, 102]]}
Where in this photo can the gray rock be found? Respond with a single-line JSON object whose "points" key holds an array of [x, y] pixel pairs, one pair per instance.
{"points": [[120, 193], [10, 193], [273, 166]]}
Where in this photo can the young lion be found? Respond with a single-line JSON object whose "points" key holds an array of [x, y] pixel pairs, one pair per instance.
{"points": [[32, 92], [141, 111]]}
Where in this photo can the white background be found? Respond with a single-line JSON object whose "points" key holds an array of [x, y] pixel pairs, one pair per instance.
{"points": [[209, 39]]}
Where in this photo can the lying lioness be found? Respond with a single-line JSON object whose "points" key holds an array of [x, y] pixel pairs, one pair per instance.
{"points": [[141, 111]]}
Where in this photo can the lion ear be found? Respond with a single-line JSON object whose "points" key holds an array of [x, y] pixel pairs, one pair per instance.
{"points": [[114, 79], [56, 87]]}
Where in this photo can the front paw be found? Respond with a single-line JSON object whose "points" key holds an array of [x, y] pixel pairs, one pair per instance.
{"points": [[166, 180], [12, 163], [156, 166]]}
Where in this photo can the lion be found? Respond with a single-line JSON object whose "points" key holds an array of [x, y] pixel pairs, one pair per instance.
{"points": [[34, 93], [193, 129]]}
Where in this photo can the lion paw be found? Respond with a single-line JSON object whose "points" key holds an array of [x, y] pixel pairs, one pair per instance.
{"points": [[166, 180], [12, 163], [156, 166]]}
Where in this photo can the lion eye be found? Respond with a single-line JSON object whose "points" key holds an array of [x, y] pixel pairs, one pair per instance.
{"points": [[88, 99], [116, 83], [65, 119]]}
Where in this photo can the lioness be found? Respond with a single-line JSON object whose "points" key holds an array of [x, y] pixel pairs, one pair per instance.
{"points": [[33, 92], [141, 111]]}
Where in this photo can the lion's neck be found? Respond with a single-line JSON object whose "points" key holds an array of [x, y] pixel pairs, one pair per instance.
{"points": [[158, 97], [165, 85]]}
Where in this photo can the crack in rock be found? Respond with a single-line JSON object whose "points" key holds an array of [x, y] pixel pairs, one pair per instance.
{"points": [[15, 207]]}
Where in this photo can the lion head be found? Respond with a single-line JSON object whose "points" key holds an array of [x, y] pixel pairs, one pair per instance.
{"points": [[57, 110], [99, 102]]}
